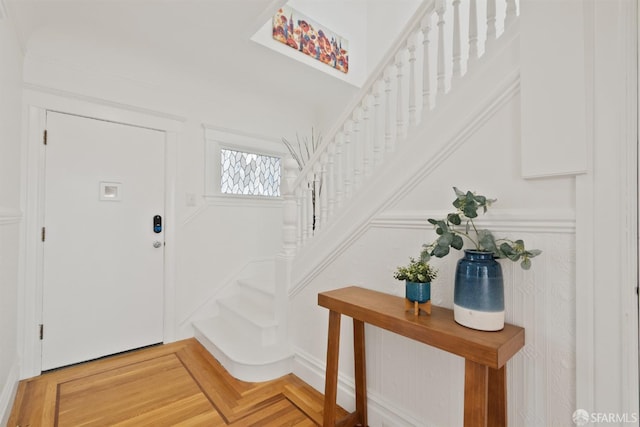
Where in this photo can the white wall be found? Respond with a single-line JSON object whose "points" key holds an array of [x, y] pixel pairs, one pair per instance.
{"points": [[578, 304], [214, 238], [10, 213], [555, 301], [411, 384]]}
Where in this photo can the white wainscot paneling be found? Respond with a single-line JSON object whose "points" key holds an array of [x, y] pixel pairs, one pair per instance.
{"points": [[415, 385], [10, 220]]}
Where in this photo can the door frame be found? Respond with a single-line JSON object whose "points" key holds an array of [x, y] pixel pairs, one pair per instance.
{"points": [[36, 103]]}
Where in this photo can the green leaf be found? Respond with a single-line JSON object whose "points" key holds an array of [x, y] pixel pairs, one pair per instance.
{"points": [[432, 221], [457, 242], [525, 264], [458, 192], [470, 208], [486, 241], [440, 251], [454, 219], [507, 249], [533, 252], [445, 239]]}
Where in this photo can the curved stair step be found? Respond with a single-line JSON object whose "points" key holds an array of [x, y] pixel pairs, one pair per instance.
{"points": [[245, 359]]}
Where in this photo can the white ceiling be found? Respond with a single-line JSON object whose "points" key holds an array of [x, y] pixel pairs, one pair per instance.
{"points": [[207, 39]]}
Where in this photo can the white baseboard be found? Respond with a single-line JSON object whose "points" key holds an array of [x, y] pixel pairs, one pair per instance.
{"points": [[9, 393], [381, 412]]}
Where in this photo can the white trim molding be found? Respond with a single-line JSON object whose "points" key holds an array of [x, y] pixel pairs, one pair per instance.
{"points": [[217, 138], [8, 394], [497, 220], [36, 104], [312, 371], [607, 218]]}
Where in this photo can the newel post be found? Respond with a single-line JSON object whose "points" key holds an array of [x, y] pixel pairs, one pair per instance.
{"points": [[289, 206], [284, 259]]}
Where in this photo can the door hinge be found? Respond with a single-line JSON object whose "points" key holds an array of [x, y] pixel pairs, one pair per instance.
{"points": [[43, 234], [41, 331], [44, 138]]}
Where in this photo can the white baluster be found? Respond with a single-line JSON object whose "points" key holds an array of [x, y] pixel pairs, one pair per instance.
{"points": [[473, 33], [388, 135], [511, 13], [399, 98], [348, 163], [365, 141], [357, 148], [330, 180], [426, 68], [340, 166], [411, 46], [309, 202], [491, 22], [290, 208], [441, 66], [457, 51], [302, 224], [377, 135], [320, 200]]}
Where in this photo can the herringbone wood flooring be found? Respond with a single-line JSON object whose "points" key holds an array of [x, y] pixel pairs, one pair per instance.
{"points": [[167, 385]]}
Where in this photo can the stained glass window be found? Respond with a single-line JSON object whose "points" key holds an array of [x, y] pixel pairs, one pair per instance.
{"points": [[249, 174]]}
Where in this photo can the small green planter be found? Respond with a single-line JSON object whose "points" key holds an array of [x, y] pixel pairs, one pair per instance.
{"points": [[418, 292]]}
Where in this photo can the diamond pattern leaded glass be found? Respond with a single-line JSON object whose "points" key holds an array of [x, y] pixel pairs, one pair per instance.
{"points": [[249, 173]]}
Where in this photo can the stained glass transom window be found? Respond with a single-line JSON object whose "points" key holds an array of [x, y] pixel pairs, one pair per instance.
{"points": [[249, 173]]}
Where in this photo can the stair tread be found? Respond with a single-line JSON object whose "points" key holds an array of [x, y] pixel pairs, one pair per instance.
{"points": [[259, 285], [230, 339], [249, 309]]}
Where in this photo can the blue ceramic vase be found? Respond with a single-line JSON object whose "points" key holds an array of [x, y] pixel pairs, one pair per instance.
{"points": [[478, 296], [420, 292]]}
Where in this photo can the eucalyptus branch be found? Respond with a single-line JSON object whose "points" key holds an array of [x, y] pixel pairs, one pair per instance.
{"points": [[467, 205], [305, 149]]}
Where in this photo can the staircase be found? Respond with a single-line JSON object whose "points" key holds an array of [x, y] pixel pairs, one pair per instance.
{"points": [[246, 336], [425, 79]]}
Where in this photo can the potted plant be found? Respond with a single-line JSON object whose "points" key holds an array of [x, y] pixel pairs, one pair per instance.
{"points": [[417, 275], [479, 288]]}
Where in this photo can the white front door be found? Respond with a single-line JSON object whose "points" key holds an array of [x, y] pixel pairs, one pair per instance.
{"points": [[103, 254]]}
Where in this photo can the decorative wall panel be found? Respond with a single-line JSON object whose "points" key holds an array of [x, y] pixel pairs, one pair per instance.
{"points": [[411, 384]]}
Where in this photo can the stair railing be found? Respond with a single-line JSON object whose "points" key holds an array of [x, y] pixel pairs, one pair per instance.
{"points": [[426, 62]]}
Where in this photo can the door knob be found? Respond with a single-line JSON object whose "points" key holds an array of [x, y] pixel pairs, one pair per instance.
{"points": [[157, 244]]}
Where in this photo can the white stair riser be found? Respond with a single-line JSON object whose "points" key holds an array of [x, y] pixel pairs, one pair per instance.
{"points": [[246, 367], [243, 371]]}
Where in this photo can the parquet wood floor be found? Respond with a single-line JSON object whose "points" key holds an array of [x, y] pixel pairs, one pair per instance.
{"points": [[178, 384]]}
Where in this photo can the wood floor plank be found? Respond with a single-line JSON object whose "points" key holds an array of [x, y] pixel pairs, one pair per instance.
{"points": [[195, 409], [178, 384]]}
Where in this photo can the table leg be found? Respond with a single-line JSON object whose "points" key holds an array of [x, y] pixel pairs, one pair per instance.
{"points": [[485, 395], [497, 410], [331, 380], [360, 367], [476, 381]]}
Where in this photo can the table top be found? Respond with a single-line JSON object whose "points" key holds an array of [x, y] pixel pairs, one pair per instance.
{"points": [[439, 329]]}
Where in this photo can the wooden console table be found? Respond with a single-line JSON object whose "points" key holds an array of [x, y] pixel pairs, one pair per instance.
{"points": [[485, 353]]}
